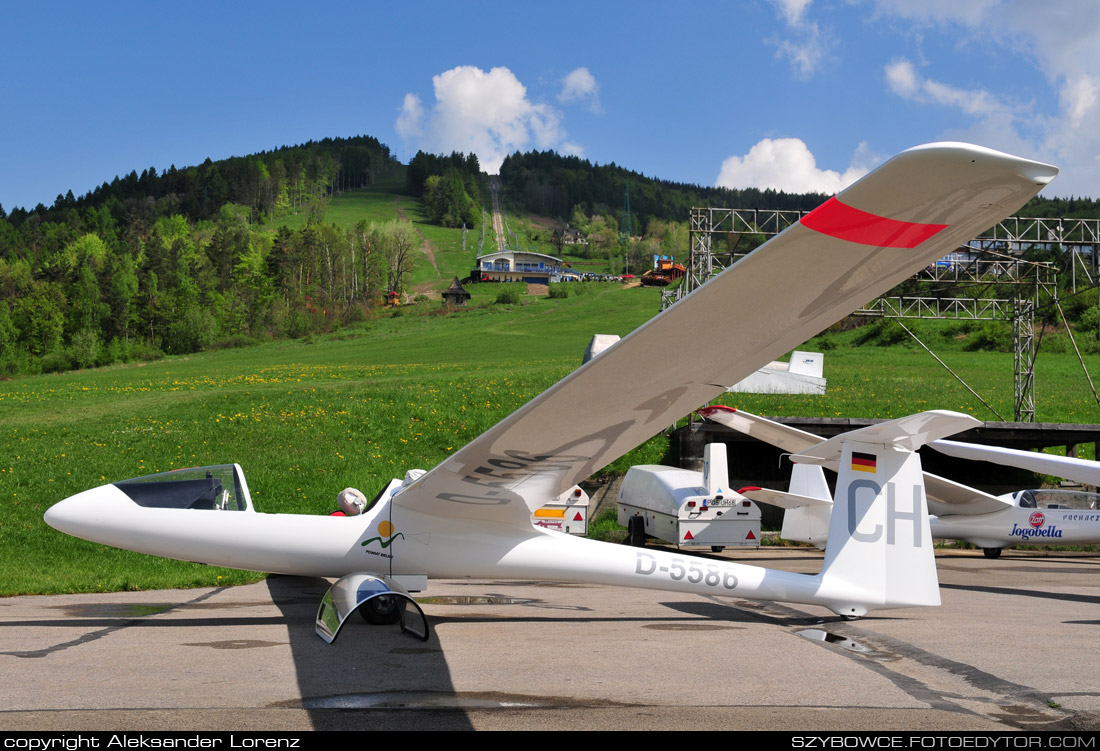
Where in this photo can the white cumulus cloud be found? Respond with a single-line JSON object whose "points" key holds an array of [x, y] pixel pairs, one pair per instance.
{"points": [[569, 148], [787, 164], [411, 118], [580, 86], [1060, 39], [807, 44], [903, 80], [792, 10], [486, 113]]}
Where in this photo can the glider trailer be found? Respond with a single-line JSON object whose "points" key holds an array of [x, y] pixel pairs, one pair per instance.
{"points": [[688, 509]]}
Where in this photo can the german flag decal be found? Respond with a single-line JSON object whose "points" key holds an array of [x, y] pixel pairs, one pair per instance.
{"points": [[863, 462]]}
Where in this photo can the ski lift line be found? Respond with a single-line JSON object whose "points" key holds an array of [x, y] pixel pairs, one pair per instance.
{"points": [[1053, 299], [949, 370]]}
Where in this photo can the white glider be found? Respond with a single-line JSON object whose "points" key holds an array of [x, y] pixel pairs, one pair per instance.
{"points": [[961, 513], [470, 516]]}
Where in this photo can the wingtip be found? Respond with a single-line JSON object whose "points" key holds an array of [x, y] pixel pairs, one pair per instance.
{"points": [[1040, 173]]}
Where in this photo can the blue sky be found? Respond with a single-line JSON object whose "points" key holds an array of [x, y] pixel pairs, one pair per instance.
{"points": [[792, 94]]}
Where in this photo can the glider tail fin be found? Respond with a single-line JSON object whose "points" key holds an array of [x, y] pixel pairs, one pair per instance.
{"points": [[880, 544], [808, 523], [716, 475]]}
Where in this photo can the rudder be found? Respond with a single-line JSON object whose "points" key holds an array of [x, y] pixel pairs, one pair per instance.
{"points": [[880, 544]]}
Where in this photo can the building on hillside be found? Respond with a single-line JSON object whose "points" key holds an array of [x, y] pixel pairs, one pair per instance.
{"points": [[455, 295], [568, 236], [516, 266]]}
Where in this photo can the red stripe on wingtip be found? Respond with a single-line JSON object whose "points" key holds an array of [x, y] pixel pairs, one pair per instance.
{"points": [[844, 222], [706, 411]]}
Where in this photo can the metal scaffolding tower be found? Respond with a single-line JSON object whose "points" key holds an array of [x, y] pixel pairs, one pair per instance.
{"points": [[1023, 360], [715, 237]]}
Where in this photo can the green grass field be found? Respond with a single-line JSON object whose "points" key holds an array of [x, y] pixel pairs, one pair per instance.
{"points": [[377, 203], [355, 408], [304, 419]]}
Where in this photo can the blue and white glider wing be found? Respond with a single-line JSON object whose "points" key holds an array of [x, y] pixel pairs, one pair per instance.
{"points": [[911, 211]]}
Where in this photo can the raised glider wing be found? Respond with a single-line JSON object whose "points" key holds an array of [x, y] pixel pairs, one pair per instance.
{"points": [[961, 513], [470, 516]]}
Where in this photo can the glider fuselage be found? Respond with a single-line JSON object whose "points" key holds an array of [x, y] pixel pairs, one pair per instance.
{"points": [[1021, 525], [408, 545]]}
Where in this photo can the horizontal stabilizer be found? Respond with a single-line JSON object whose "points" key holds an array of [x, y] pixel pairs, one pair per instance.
{"points": [[781, 436], [944, 496], [905, 433], [782, 499], [802, 375]]}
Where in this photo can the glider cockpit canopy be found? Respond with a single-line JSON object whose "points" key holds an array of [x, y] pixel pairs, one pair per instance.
{"points": [[1054, 498], [219, 487]]}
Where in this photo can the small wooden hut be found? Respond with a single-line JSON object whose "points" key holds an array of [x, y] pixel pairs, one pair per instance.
{"points": [[455, 294]]}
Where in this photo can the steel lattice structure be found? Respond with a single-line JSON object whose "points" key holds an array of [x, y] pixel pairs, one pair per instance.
{"points": [[998, 265]]}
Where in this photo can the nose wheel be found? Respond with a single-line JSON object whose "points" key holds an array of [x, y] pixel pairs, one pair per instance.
{"points": [[383, 610], [380, 601]]}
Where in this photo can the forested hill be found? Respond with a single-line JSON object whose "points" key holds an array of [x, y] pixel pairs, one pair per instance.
{"points": [[178, 260], [174, 260], [553, 185], [286, 177]]}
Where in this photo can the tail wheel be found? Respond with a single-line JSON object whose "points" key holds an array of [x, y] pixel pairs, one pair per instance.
{"points": [[991, 552], [383, 610]]}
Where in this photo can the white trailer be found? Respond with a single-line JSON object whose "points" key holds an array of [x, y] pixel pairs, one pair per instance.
{"points": [[567, 513], [686, 508]]}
